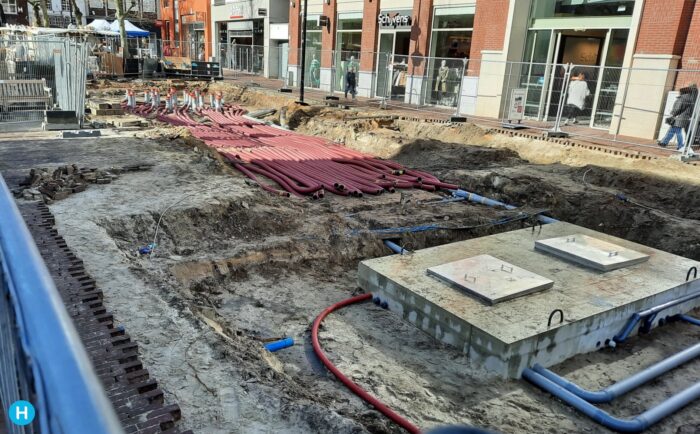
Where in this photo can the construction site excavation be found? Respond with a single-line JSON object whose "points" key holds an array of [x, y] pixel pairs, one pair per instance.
{"points": [[288, 268]]}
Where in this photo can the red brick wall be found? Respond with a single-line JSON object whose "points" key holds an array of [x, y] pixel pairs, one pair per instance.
{"points": [[370, 33], [328, 34], [420, 36], [294, 32], [664, 26], [691, 52], [490, 23]]}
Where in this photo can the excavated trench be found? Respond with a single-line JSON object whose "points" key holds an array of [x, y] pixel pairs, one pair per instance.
{"points": [[262, 268], [246, 270], [644, 208]]}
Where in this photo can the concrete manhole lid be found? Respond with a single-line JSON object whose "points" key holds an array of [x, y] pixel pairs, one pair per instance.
{"points": [[489, 278], [591, 252]]}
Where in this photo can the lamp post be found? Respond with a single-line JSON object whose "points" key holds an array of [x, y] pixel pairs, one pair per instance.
{"points": [[303, 53]]}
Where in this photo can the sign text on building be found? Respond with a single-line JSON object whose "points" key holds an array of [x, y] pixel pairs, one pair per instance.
{"points": [[394, 20]]}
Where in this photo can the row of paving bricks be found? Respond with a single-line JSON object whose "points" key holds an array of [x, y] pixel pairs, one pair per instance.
{"points": [[137, 399]]}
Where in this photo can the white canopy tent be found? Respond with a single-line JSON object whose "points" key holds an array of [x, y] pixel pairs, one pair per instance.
{"points": [[99, 25], [131, 30]]}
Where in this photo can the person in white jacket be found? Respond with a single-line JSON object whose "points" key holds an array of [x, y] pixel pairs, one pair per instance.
{"points": [[576, 98]]}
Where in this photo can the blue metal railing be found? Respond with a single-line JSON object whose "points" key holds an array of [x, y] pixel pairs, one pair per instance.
{"points": [[41, 357]]}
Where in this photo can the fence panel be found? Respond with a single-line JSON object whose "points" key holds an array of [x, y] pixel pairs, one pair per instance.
{"points": [[42, 360], [601, 103], [38, 75]]}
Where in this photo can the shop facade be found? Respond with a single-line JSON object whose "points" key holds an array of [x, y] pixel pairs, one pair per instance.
{"points": [[474, 54], [594, 38], [185, 29], [403, 50], [251, 35]]}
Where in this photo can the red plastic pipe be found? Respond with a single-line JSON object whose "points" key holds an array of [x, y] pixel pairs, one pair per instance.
{"points": [[357, 390]]}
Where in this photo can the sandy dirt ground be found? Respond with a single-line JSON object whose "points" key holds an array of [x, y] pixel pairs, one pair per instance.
{"points": [[235, 267]]}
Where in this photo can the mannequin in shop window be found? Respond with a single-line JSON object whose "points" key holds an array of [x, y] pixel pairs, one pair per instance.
{"points": [[399, 74], [441, 80], [315, 72]]}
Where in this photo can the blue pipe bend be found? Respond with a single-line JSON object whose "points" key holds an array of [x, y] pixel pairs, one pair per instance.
{"points": [[652, 311], [637, 424], [628, 384]]}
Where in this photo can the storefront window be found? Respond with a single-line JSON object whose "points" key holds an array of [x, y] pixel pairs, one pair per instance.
{"points": [[535, 70], [450, 43], [581, 8], [612, 72], [347, 47], [463, 21], [392, 64], [312, 65]]}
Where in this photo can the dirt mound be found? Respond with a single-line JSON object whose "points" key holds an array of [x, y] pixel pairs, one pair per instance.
{"points": [[435, 156]]}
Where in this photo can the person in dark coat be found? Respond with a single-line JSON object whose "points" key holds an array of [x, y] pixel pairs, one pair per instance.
{"points": [[681, 113], [350, 83]]}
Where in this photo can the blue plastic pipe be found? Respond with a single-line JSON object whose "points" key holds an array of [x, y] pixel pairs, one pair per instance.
{"points": [[395, 247], [473, 197], [650, 314], [279, 345], [690, 319], [628, 384], [70, 396], [636, 424]]}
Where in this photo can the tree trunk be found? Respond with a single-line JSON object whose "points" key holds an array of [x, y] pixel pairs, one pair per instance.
{"points": [[77, 13], [122, 29], [44, 12], [36, 8]]}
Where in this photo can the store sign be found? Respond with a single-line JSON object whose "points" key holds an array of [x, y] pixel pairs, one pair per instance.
{"points": [[394, 19], [240, 11]]}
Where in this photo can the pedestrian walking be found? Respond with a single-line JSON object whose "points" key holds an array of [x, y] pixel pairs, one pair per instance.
{"points": [[576, 98], [681, 113], [350, 83]]}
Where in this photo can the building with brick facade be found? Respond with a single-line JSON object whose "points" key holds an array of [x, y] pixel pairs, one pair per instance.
{"points": [[416, 50], [186, 29], [16, 12]]}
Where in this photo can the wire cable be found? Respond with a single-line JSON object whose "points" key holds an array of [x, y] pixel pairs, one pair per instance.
{"points": [[356, 389]]}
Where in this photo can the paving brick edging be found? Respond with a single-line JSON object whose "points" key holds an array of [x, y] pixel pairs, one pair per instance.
{"points": [[138, 401], [639, 155]]}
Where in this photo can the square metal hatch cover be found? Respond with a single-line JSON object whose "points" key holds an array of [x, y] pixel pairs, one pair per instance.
{"points": [[591, 252], [490, 278]]}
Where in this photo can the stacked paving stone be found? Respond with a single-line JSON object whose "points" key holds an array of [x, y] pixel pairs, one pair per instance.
{"points": [[51, 185]]}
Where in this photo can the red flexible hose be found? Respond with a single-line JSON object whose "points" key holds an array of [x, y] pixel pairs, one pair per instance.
{"points": [[357, 390]]}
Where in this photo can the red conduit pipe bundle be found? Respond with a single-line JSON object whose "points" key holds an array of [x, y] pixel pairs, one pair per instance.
{"points": [[357, 390], [301, 165]]}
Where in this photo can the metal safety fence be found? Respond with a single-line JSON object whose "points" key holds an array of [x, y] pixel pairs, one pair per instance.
{"points": [[41, 358], [606, 103], [638, 106], [37, 75]]}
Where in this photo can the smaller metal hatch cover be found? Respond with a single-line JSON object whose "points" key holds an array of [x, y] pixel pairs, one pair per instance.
{"points": [[591, 252], [490, 278]]}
